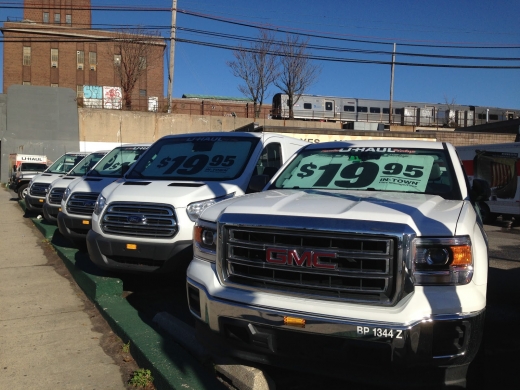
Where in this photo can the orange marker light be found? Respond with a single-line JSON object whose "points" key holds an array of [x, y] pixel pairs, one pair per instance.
{"points": [[131, 246], [86, 222], [292, 321], [461, 255]]}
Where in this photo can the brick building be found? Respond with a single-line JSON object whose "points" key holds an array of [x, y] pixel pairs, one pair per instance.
{"points": [[54, 45]]}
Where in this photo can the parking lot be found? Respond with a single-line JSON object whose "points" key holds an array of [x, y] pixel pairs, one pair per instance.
{"points": [[153, 297]]}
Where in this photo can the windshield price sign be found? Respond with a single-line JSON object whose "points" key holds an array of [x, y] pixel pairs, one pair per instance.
{"points": [[336, 171]]}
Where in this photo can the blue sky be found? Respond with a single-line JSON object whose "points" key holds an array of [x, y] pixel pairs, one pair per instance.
{"points": [[202, 70]]}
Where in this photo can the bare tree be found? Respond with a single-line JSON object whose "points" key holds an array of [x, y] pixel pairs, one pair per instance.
{"points": [[297, 73], [257, 66], [450, 114], [133, 54]]}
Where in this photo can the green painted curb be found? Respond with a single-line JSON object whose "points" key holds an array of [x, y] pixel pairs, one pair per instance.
{"points": [[171, 365]]}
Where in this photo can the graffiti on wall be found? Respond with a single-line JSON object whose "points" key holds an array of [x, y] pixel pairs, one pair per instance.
{"points": [[112, 98], [92, 96]]}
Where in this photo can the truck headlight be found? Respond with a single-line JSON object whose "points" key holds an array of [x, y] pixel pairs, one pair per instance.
{"points": [[442, 261], [205, 240], [100, 204], [195, 209], [66, 194]]}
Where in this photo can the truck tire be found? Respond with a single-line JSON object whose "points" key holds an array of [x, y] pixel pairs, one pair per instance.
{"points": [[22, 191]]}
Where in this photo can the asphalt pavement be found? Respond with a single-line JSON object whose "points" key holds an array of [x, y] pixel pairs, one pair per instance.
{"points": [[47, 339]]}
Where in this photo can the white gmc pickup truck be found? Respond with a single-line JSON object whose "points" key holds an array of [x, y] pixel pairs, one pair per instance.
{"points": [[144, 221], [366, 259]]}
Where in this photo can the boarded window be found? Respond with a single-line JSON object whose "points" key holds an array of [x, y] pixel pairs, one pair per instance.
{"points": [[79, 91], [27, 55], [142, 62], [54, 58], [54, 85], [142, 92], [307, 106], [80, 59], [117, 59]]}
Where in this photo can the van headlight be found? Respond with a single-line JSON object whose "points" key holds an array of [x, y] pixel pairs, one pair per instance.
{"points": [[442, 261], [66, 194], [205, 240], [195, 209], [100, 204]]}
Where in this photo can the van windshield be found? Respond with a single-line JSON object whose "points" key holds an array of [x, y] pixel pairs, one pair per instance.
{"points": [[423, 171], [33, 167], [65, 163], [113, 163], [86, 164], [196, 158]]}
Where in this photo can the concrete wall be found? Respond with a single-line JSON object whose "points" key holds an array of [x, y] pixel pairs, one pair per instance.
{"points": [[40, 120]]}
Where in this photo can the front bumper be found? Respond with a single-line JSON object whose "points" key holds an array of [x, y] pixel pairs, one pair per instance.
{"points": [[112, 254], [74, 228], [34, 203], [441, 347], [50, 212]]}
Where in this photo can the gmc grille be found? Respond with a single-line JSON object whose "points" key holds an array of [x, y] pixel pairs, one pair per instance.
{"points": [[140, 219], [82, 203], [56, 195], [356, 268], [39, 189]]}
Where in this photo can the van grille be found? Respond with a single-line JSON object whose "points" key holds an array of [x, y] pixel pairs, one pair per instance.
{"points": [[39, 189], [82, 203], [335, 266], [140, 219], [56, 195]]}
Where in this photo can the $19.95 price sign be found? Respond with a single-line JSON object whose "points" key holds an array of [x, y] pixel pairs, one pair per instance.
{"points": [[395, 173]]}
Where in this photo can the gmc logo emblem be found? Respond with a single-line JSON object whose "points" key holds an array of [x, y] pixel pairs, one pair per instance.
{"points": [[292, 257]]}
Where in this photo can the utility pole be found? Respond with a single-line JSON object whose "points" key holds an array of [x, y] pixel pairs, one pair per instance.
{"points": [[391, 89], [172, 54]]}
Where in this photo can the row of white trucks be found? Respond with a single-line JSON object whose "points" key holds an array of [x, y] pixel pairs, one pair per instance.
{"points": [[361, 258]]}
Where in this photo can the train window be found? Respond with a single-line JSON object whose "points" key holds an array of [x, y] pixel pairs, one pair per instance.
{"points": [[493, 117], [307, 106], [328, 106], [349, 108], [398, 111], [386, 111], [362, 109], [481, 116], [375, 110]]}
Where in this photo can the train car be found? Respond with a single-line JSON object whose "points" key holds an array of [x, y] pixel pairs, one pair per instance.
{"points": [[342, 109]]}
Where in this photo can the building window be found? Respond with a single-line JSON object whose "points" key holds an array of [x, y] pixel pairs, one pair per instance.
{"points": [[54, 58], [142, 62], [92, 60], [26, 83], [45, 17], [79, 91], [27, 55], [68, 19], [80, 59], [54, 85], [142, 92], [117, 59], [57, 18]]}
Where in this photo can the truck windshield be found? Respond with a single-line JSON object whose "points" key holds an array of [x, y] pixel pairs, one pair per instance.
{"points": [[421, 171], [86, 164], [113, 163], [65, 163], [33, 167], [196, 158]]}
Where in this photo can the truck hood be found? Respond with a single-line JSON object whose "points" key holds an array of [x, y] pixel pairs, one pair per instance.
{"points": [[47, 178], [91, 184], [177, 193], [426, 214], [64, 182]]}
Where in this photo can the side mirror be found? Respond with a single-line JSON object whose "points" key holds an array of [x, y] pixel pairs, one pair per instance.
{"points": [[480, 190], [258, 182]]}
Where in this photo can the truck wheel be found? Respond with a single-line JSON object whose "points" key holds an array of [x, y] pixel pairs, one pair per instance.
{"points": [[487, 215], [22, 191]]}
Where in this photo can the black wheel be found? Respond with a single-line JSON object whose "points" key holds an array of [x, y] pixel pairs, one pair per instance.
{"points": [[487, 215], [22, 191]]}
